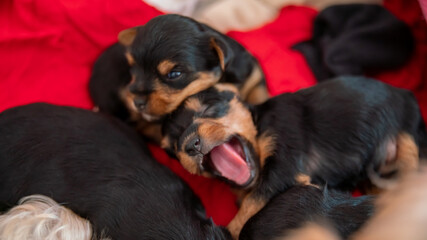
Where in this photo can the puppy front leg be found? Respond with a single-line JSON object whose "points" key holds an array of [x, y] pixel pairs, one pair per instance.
{"points": [[254, 90], [251, 204]]}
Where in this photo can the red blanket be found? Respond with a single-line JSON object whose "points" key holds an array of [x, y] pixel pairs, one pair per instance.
{"points": [[47, 49]]}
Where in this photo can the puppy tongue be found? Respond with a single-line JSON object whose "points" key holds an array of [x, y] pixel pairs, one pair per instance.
{"points": [[229, 163]]}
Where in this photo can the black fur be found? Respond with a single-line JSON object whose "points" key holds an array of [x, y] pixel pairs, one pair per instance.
{"points": [[356, 39], [111, 72], [300, 205], [100, 169]]}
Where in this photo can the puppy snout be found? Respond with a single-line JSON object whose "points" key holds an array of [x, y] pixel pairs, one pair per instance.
{"points": [[135, 88], [139, 103], [193, 146]]}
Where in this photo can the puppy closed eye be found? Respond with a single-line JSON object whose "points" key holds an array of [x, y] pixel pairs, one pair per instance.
{"points": [[216, 111]]}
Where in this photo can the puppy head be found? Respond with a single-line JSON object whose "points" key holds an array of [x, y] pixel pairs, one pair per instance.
{"points": [[213, 134], [171, 58]]}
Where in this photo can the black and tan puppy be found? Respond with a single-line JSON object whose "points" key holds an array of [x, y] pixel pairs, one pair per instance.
{"points": [[336, 132], [100, 169], [298, 210], [170, 58]]}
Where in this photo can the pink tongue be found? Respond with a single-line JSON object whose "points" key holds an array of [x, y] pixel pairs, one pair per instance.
{"points": [[230, 164]]}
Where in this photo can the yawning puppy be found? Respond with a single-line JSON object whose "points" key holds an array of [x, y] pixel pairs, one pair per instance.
{"points": [[170, 58], [297, 212], [208, 126], [101, 170], [336, 132]]}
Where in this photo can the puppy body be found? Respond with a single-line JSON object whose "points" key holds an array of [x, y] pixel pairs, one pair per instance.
{"points": [[98, 168], [336, 132], [298, 209]]}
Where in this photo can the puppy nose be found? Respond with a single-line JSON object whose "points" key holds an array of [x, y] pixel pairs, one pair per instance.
{"points": [[139, 103], [193, 146]]}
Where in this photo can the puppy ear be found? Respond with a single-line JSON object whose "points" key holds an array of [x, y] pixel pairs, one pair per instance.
{"points": [[225, 54], [165, 142], [127, 36]]}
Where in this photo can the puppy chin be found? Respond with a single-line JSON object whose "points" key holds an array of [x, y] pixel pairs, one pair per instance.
{"points": [[149, 118]]}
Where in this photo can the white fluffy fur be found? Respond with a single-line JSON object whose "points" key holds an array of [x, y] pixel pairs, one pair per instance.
{"points": [[41, 218]]}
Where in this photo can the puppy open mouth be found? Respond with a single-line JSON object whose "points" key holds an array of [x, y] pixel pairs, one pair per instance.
{"points": [[231, 160]]}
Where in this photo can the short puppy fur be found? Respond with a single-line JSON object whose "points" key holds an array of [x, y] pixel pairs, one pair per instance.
{"points": [[100, 169], [337, 132], [302, 206], [168, 59]]}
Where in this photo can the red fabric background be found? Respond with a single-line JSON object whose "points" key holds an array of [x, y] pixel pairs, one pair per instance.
{"points": [[47, 49]]}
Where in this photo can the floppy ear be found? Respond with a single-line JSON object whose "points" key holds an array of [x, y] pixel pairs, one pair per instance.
{"points": [[169, 149], [225, 54], [127, 36], [168, 145]]}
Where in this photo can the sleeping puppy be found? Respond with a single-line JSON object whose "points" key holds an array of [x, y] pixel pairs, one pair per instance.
{"points": [[38, 217], [170, 58], [336, 132], [100, 169], [298, 210]]}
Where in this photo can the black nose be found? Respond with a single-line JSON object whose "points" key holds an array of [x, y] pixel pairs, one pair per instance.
{"points": [[139, 103], [193, 146]]}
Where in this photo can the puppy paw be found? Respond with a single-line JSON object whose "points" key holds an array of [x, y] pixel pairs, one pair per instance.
{"points": [[235, 227]]}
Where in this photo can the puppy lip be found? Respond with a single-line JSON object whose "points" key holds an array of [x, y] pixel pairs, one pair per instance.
{"points": [[207, 165], [149, 117]]}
